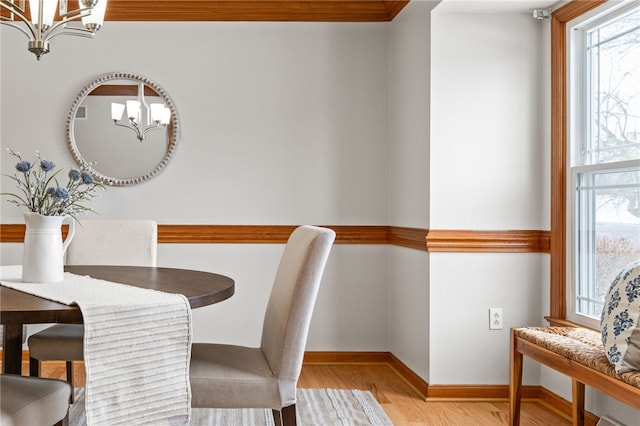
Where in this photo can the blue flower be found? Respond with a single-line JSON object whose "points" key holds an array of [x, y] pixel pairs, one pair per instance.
{"points": [[614, 301], [74, 175], [47, 165], [23, 166], [40, 192], [87, 178], [614, 354], [632, 289], [59, 193], [628, 271], [622, 322]]}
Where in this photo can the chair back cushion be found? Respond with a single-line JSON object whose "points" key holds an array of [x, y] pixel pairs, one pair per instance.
{"points": [[293, 296], [114, 242]]}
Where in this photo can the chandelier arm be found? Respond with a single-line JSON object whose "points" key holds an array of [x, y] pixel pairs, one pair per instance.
{"points": [[136, 130], [12, 8], [9, 23], [81, 13], [48, 34], [152, 127], [39, 33], [78, 32]]}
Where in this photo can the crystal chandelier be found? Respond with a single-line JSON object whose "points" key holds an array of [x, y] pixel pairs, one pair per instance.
{"points": [[40, 25], [156, 115]]}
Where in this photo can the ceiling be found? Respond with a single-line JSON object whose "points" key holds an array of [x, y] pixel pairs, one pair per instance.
{"points": [[255, 10]]}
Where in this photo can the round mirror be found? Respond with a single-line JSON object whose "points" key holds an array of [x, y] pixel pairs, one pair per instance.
{"points": [[126, 126]]}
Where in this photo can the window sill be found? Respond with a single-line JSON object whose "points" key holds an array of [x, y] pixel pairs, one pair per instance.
{"points": [[559, 322]]}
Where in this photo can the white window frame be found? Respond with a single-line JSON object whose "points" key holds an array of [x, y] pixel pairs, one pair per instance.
{"points": [[577, 108]]}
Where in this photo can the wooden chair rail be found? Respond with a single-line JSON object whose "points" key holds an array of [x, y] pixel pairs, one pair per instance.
{"points": [[580, 374], [432, 240]]}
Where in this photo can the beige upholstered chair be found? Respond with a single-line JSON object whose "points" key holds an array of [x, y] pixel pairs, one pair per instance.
{"points": [[33, 401], [227, 376], [96, 242]]}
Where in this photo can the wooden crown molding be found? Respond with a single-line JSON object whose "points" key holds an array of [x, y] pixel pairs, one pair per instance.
{"points": [[255, 10], [248, 10]]}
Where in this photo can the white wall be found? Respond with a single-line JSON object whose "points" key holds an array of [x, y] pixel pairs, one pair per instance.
{"points": [[490, 101], [282, 123], [487, 169], [260, 103], [409, 182]]}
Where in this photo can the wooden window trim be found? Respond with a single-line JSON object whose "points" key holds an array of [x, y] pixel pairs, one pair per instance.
{"points": [[559, 150]]}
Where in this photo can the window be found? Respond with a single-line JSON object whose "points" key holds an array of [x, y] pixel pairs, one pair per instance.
{"points": [[603, 170]]}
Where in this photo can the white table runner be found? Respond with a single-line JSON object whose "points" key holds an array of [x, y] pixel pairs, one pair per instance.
{"points": [[137, 348]]}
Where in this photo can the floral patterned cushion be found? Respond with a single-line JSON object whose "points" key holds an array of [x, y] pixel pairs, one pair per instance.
{"points": [[619, 322]]}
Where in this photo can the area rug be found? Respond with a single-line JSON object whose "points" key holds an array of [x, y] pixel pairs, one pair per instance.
{"points": [[317, 407], [321, 407]]}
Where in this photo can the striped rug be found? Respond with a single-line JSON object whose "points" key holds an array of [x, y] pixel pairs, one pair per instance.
{"points": [[321, 407]]}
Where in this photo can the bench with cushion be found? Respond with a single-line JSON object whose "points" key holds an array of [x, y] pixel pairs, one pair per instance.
{"points": [[576, 352]]}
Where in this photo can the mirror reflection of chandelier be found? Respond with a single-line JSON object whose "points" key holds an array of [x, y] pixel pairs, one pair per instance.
{"points": [[39, 25], [156, 115]]}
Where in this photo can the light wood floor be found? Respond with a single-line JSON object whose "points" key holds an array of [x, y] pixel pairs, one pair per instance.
{"points": [[398, 399]]}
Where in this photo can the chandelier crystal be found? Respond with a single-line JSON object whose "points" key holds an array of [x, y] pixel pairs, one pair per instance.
{"points": [[39, 25]]}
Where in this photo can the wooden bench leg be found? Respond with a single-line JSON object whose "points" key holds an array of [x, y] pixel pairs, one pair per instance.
{"points": [[515, 382], [577, 395]]}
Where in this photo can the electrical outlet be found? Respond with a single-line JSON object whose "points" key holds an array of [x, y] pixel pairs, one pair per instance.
{"points": [[495, 318]]}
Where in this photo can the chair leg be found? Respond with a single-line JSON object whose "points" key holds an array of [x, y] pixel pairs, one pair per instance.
{"points": [[34, 367], [64, 421], [69, 365], [515, 382], [289, 415], [277, 420]]}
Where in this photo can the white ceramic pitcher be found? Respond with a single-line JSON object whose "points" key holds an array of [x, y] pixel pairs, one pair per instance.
{"points": [[43, 255]]}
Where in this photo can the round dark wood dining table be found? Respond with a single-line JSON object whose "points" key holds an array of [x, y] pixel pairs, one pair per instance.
{"points": [[18, 308]]}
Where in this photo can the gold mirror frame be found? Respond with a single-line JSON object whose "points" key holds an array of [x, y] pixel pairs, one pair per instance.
{"points": [[173, 130]]}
